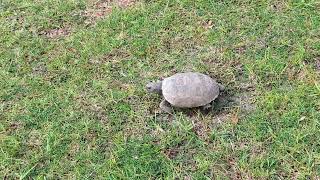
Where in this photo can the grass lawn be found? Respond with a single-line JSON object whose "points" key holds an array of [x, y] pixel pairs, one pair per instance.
{"points": [[73, 103]]}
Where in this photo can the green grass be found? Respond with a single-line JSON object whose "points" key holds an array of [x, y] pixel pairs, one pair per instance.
{"points": [[76, 108]]}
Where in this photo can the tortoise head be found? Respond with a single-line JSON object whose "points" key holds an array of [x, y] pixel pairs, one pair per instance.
{"points": [[154, 87]]}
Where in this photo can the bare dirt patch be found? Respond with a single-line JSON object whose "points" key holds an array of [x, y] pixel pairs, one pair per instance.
{"points": [[95, 110], [200, 128], [73, 149], [125, 3], [101, 9], [279, 6], [240, 49], [171, 153], [34, 139], [56, 33], [207, 25], [234, 173], [115, 56], [14, 126], [317, 64], [40, 70], [244, 101]]}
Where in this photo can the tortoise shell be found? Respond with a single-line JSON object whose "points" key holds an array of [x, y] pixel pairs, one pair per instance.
{"points": [[191, 89]]}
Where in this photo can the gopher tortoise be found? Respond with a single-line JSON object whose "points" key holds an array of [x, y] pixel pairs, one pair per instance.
{"points": [[186, 90]]}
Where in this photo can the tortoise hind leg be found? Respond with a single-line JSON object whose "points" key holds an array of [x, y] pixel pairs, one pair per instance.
{"points": [[206, 107], [165, 106]]}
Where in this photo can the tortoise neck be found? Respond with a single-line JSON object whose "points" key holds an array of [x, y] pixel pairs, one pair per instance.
{"points": [[159, 87]]}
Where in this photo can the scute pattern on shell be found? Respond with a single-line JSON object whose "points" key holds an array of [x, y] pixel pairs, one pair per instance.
{"points": [[190, 89]]}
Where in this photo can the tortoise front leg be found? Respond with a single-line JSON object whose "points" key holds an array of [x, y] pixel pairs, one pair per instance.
{"points": [[221, 87], [166, 106]]}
